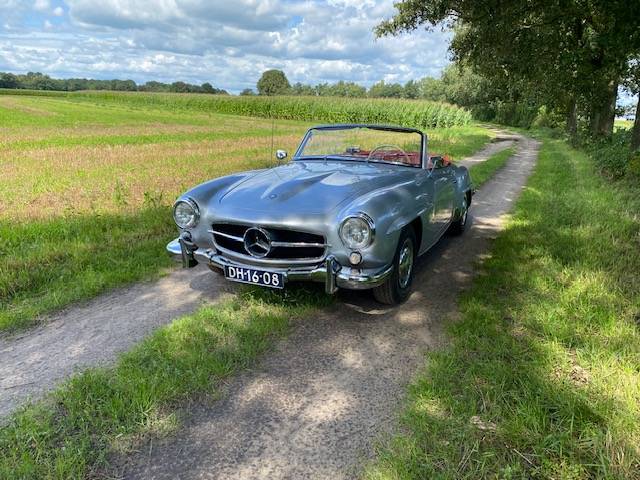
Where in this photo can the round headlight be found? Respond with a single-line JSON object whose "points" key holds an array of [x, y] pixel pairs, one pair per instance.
{"points": [[357, 232], [186, 213]]}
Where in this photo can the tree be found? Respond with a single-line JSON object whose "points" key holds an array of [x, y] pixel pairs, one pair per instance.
{"points": [[247, 92], [302, 89], [567, 54], [632, 83], [432, 89], [207, 88], [273, 82], [411, 89], [8, 80], [385, 90]]}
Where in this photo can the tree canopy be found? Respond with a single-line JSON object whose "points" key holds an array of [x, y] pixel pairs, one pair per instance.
{"points": [[570, 55], [273, 82]]}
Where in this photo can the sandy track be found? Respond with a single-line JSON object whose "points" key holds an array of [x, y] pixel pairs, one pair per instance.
{"points": [[93, 333], [313, 407]]}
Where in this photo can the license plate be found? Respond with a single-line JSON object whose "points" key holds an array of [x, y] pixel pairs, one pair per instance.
{"points": [[254, 277]]}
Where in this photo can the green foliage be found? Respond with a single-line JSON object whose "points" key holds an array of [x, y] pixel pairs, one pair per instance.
{"points": [[387, 90], [541, 378], [612, 156], [273, 82], [542, 52]]}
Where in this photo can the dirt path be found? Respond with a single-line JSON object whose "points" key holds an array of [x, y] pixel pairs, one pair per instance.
{"points": [[314, 406], [95, 332]]}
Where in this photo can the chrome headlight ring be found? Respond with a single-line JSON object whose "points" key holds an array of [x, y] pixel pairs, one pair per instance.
{"points": [[360, 226], [186, 213]]}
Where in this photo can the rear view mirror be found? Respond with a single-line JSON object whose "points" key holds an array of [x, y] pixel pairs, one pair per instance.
{"points": [[436, 161], [281, 154]]}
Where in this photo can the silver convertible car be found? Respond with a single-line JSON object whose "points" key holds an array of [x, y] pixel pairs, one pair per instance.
{"points": [[353, 209]]}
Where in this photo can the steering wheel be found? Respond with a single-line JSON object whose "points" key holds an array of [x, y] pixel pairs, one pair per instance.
{"points": [[390, 148]]}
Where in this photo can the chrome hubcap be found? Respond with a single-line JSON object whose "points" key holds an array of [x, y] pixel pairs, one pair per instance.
{"points": [[405, 265], [464, 213]]}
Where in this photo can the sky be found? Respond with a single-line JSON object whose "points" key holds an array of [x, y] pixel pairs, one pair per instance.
{"points": [[228, 43]]}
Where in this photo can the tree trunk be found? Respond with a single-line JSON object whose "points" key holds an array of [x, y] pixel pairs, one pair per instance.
{"points": [[572, 119], [635, 136], [604, 111]]}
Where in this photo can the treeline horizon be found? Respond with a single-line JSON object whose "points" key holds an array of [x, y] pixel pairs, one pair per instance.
{"points": [[41, 81], [427, 88]]}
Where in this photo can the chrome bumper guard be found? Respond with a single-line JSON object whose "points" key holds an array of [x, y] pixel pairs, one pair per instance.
{"points": [[331, 273]]}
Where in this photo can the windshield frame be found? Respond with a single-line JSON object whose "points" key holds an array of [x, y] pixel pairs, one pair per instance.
{"points": [[423, 144]]}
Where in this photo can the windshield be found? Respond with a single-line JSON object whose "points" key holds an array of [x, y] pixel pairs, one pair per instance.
{"points": [[363, 144]]}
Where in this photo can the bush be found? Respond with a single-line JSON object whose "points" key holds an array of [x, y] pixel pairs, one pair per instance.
{"points": [[613, 156]]}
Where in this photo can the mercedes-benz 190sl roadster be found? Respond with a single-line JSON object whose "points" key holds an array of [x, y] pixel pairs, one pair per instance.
{"points": [[353, 209]]}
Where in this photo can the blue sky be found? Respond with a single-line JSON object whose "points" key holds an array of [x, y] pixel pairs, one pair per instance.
{"points": [[225, 42]]}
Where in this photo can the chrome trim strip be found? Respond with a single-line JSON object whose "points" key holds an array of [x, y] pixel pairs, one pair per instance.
{"points": [[269, 261], [298, 244], [226, 235]]}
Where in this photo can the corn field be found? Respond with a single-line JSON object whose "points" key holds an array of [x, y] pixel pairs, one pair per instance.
{"points": [[408, 113]]}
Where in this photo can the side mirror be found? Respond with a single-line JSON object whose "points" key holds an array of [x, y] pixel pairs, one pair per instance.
{"points": [[281, 154]]}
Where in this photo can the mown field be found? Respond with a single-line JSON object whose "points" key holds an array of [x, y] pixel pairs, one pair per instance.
{"points": [[88, 181]]}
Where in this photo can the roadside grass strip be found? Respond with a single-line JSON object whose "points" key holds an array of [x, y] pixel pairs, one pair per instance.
{"points": [[483, 171], [72, 433], [542, 376]]}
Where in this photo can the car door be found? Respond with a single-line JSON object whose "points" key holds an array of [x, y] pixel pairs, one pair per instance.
{"points": [[444, 193]]}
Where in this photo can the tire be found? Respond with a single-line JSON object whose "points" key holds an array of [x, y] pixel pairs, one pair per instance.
{"points": [[458, 226], [397, 287]]}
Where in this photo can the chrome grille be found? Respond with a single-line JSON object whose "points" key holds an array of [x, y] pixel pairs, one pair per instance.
{"points": [[285, 244]]}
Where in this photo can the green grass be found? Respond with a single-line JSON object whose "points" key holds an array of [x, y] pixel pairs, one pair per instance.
{"points": [[483, 171], [72, 433], [623, 124], [88, 186], [541, 379]]}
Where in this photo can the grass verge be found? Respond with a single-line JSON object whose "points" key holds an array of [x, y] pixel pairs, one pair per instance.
{"points": [[542, 376], [71, 433], [483, 171]]}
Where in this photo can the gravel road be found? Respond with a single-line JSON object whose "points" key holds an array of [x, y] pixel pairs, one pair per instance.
{"points": [[94, 333], [313, 407]]}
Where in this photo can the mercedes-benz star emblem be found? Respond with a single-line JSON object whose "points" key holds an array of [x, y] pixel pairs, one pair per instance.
{"points": [[257, 242]]}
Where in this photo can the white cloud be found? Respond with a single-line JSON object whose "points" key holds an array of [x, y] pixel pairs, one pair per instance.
{"points": [[41, 5], [228, 43]]}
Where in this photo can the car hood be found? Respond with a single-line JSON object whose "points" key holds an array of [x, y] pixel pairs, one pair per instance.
{"points": [[311, 186]]}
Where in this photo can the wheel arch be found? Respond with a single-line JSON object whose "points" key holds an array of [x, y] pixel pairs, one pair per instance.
{"points": [[416, 224]]}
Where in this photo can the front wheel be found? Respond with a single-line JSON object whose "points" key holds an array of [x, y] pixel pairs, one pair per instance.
{"points": [[397, 286]]}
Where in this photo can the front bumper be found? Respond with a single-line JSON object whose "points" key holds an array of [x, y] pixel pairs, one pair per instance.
{"points": [[330, 272]]}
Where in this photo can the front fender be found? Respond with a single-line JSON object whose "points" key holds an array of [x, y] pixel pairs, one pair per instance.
{"points": [[391, 209]]}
